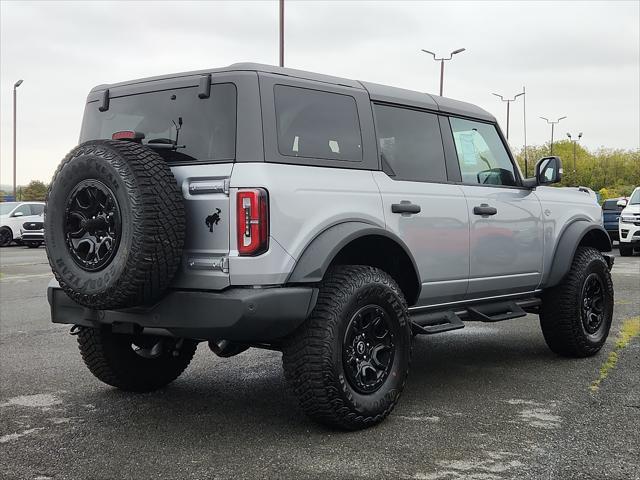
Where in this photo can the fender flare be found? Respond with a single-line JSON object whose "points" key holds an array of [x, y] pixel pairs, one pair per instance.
{"points": [[320, 252], [567, 245]]}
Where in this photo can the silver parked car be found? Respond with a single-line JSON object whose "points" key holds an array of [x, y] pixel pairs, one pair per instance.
{"points": [[330, 219]]}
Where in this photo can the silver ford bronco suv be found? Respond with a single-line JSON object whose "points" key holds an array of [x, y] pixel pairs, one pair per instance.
{"points": [[327, 218]]}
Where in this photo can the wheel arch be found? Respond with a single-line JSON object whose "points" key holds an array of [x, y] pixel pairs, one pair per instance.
{"points": [[361, 244], [578, 234]]}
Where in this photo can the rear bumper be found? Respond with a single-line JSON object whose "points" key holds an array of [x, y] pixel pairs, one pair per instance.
{"points": [[237, 314]]}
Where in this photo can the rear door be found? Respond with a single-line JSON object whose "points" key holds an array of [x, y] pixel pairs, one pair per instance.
{"points": [[205, 125], [420, 206], [506, 231]]}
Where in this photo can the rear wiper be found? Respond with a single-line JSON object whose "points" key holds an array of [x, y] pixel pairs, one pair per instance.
{"points": [[167, 143]]}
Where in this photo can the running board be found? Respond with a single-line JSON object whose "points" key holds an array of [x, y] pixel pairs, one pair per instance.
{"points": [[428, 323], [495, 312]]}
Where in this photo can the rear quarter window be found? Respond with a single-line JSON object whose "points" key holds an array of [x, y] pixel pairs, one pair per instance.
{"points": [[208, 129], [317, 124]]}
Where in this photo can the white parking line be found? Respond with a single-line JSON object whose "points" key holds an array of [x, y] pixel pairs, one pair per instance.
{"points": [[9, 278]]}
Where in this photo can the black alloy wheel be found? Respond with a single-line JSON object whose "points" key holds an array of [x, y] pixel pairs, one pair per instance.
{"points": [[92, 225], [368, 349], [593, 304]]}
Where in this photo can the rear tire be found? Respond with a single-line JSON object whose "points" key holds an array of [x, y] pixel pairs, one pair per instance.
{"points": [[625, 251], [576, 315], [134, 363], [348, 363]]}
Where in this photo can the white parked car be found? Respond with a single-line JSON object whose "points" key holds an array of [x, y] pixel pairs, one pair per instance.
{"points": [[630, 224], [12, 217]]}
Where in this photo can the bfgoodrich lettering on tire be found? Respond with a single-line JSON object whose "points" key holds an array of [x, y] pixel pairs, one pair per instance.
{"points": [[114, 224], [349, 362], [576, 315]]}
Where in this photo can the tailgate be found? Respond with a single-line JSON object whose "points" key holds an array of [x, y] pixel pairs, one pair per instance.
{"points": [[205, 260]]}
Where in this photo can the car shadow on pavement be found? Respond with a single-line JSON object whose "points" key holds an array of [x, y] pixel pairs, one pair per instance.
{"points": [[249, 391]]}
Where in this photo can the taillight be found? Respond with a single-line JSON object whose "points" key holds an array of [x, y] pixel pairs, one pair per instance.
{"points": [[252, 221]]}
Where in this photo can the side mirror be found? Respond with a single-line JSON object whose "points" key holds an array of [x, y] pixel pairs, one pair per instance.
{"points": [[17, 214], [548, 170], [622, 203]]}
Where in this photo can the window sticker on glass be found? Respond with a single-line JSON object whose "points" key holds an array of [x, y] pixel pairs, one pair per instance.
{"points": [[468, 149]]}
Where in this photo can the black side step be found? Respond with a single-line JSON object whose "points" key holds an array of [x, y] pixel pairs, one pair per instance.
{"points": [[495, 312], [437, 322]]}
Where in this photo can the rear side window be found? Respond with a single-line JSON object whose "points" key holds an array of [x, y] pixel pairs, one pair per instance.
{"points": [[208, 130], [317, 124], [482, 156], [410, 144]]}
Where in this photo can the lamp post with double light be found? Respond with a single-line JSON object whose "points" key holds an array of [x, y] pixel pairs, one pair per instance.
{"points": [[552, 123], [442, 60], [15, 88], [508, 101]]}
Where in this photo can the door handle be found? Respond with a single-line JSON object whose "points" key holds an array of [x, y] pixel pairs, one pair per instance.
{"points": [[405, 206], [485, 210]]}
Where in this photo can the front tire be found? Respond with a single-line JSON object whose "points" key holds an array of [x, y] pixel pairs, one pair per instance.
{"points": [[134, 363], [348, 363], [6, 236], [32, 244], [625, 251], [576, 315]]}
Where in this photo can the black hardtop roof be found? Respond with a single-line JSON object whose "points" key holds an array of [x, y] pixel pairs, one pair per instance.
{"points": [[382, 93]]}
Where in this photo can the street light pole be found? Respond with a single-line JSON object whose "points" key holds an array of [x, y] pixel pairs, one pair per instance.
{"points": [[574, 149], [552, 125], [15, 87], [282, 33], [508, 100], [524, 117], [442, 60]]}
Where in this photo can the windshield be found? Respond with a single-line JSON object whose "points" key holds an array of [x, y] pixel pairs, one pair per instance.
{"points": [[5, 208], [635, 197], [207, 127]]}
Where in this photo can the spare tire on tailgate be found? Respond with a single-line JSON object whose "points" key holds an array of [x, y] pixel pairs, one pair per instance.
{"points": [[114, 224]]}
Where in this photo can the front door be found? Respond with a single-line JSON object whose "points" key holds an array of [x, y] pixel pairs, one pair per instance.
{"points": [[506, 233]]}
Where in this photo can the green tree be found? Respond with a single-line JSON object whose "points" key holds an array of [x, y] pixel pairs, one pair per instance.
{"points": [[36, 190], [617, 171]]}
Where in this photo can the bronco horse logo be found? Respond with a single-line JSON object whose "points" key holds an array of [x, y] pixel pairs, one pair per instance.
{"points": [[213, 219]]}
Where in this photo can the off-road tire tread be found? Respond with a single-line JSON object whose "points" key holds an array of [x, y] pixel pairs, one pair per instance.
{"points": [[559, 312], [307, 355], [119, 371], [158, 206]]}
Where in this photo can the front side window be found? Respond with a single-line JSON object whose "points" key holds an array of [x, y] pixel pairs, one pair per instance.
{"points": [[24, 209], [317, 124], [482, 156], [207, 127], [410, 144]]}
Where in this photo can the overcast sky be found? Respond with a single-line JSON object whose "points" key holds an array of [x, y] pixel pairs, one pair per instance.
{"points": [[579, 59]]}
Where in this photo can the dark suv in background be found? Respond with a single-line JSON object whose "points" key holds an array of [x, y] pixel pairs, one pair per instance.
{"points": [[610, 217]]}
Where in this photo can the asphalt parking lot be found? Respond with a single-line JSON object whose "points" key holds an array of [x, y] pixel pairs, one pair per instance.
{"points": [[486, 402]]}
